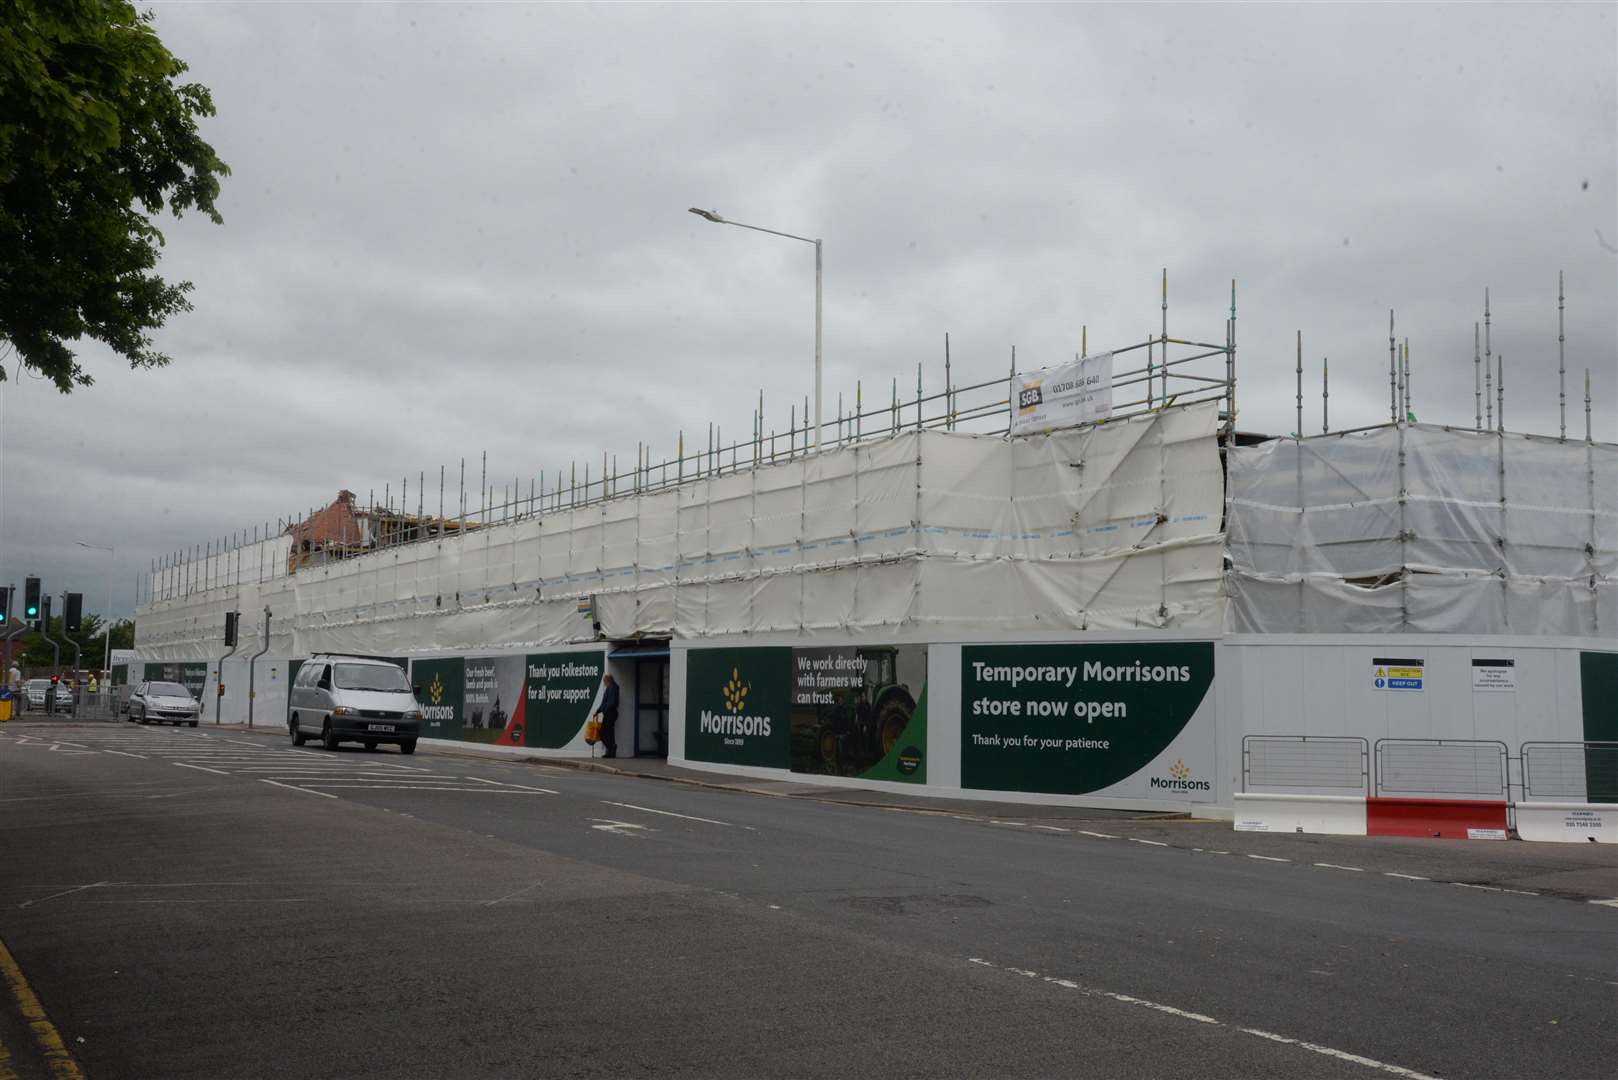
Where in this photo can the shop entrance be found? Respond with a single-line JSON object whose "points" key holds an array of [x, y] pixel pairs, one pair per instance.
{"points": [[646, 693]]}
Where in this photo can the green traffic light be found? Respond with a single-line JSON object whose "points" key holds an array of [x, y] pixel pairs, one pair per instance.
{"points": [[33, 613]]}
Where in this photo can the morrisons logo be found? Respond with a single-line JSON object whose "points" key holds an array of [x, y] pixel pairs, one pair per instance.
{"points": [[1179, 779], [734, 720], [435, 694]]}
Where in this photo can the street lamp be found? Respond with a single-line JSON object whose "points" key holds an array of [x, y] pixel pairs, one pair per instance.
{"points": [[106, 643], [713, 216]]}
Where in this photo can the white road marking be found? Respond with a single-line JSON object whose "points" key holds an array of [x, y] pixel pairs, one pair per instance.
{"points": [[1269, 858], [1052, 828], [1127, 999], [64, 892], [1338, 866], [1154, 843], [200, 768], [671, 813], [618, 828], [1341, 1055], [1606, 903], [415, 787], [120, 753], [512, 894], [293, 787], [1465, 885], [521, 787], [1098, 835], [1407, 877]]}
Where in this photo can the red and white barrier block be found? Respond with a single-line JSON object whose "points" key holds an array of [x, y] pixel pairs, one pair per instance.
{"points": [[1339, 815], [1568, 823], [1451, 819]]}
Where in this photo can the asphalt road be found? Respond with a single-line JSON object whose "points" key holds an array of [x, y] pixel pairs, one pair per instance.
{"points": [[215, 904]]}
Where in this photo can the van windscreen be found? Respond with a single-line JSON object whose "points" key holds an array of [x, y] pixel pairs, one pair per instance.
{"points": [[383, 677]]}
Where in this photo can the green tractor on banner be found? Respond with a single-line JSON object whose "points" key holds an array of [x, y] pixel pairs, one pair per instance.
{"points": [[864, 723]]}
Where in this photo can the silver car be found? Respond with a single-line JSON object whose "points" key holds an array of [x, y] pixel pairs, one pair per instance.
{"points": [[353, 699], [163, 703]]}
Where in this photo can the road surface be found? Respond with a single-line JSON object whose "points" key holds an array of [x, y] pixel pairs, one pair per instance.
{"points": [[217, 904]]}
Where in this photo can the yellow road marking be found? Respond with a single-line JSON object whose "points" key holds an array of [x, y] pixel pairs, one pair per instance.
{"points": [[6, 1072], [46, 1037]]}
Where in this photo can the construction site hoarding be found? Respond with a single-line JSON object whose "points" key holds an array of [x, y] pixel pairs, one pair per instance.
{"points": [[1089, 719], [537, 700], [844, 710]]}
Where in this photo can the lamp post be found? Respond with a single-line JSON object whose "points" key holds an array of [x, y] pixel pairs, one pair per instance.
{"points": [[106, 643], [713, 216]]}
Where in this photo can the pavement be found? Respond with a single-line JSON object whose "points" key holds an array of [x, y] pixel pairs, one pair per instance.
{"points": [[214, 903]]}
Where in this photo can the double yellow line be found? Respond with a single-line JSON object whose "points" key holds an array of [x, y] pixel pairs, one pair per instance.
{"points": [[55, 1052]]}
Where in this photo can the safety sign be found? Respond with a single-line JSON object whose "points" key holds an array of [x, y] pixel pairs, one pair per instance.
{"points": [[1494, 675], [1397, 673]]}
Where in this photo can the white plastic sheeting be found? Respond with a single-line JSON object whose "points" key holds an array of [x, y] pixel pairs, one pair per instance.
{"points": [[1418, 527], [1113, 526]]}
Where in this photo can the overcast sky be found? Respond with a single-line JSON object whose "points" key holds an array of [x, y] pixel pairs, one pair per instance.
{"points": [[456, 228]]}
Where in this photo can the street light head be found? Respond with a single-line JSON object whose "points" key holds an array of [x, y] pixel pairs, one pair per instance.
{"points": [[710, 215]]}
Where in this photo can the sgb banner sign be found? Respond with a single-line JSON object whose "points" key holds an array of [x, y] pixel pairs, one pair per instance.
{"points": [[1062, 396]]}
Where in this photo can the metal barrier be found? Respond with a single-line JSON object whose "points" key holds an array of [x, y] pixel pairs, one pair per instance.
{"points": [[1442, 768], [1303, 764], [1569, 771]]}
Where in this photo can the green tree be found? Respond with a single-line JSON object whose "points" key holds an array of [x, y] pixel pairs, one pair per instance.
{"points": [[97, 136], [36, 652]]}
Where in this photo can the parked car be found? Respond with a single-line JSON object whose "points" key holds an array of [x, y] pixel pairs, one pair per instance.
{"points": [[163, 703], [37, 689], [340, 699]]}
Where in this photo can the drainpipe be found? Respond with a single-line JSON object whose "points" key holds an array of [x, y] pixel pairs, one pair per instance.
{"points": [[252, 666]]}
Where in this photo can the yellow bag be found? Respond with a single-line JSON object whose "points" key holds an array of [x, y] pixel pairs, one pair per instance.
{"points": [[592, 729]]}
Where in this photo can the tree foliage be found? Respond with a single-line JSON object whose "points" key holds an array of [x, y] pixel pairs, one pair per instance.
{"points": [[35, 652], [97, 136]]}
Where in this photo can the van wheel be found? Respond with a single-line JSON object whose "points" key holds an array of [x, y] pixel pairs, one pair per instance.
{"points": [[328, 737], [370, 744], [408, 746], [298, 737]]}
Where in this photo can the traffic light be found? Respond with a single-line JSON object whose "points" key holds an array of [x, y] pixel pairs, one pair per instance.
{"points": [[74, 615], [5, 603], [55, 679], [43, 624], [230, 628], [30, 594]]}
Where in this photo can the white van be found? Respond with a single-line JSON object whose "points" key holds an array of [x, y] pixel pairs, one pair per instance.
{"points": [[362, 699]]}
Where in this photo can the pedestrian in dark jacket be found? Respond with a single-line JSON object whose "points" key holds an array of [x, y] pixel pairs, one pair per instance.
{"points": [[609, 715]]}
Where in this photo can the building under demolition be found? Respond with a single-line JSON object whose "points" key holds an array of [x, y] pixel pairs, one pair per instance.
{"points": [[1079, 585]]}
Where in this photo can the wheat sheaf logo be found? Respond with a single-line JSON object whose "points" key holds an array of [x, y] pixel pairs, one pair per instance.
{"points": [[1179, 770], [735, 692], [436, 689]]}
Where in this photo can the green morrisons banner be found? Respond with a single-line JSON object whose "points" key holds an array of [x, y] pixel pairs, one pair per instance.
{"points": [[860, 710], [560, 690], [848, 710], [1074, 719], [441, 695], [542, 699], [1598, 683], [738, 706], [191, 675]]}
